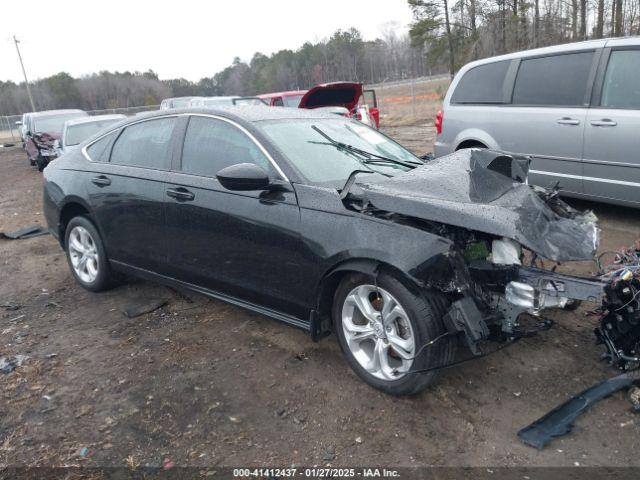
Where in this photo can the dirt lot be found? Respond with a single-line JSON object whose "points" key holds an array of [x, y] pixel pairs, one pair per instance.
{"points": [[203, 383]]}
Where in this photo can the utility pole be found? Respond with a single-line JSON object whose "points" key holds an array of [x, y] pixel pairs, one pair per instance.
{"points": [[26, 82]]}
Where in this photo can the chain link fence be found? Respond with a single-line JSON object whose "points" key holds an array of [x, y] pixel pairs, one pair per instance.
{"points": [[406, 102], [10, 132]]}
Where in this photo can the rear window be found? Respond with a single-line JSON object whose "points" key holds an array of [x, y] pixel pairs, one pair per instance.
{"points": [[555, 80], [99, 151], [482, 84], [145, 144], [621, 87]]}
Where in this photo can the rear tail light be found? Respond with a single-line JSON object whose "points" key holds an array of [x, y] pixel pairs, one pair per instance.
{"points": [[439, 120]]}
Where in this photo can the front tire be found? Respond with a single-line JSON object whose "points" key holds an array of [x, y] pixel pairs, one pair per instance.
{"points": [[41, 163], [86, 255], [382, 327]]}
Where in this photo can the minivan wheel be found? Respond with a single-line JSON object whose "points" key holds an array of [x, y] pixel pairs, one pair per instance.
{"points": [[382, 327], [86, 255]]}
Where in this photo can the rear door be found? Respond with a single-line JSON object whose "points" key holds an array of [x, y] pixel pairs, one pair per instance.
{"points": [[612, 137], [126, 191], [243, 244], [547, 115]]}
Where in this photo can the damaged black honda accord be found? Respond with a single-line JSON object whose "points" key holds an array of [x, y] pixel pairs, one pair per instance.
{"points": [[326, 224]]}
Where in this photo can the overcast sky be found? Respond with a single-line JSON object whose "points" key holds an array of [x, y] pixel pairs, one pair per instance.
{"points": [[181, 38]]}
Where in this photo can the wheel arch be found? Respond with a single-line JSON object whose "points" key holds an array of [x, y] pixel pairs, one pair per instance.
{"points": [[470, 144], [474, 137], [72, 207], [321, 320]]}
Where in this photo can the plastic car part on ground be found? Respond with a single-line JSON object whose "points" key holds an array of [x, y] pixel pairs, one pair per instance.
{"points": [[485, 190], [28, 232], [559, 421]]}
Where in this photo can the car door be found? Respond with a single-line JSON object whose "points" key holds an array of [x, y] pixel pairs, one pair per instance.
{"points": [[126, 191], [612, 143], [546, 118], [244, 244]]}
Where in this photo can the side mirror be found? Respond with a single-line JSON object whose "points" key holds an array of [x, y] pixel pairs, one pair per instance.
{"points": [[243, 177]]}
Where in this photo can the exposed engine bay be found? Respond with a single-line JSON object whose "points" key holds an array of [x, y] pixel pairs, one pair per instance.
{"points": [[508, 238]]}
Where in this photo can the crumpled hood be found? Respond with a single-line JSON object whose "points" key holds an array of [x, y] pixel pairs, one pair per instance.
{"points": [[45, 140], [484, 190]]}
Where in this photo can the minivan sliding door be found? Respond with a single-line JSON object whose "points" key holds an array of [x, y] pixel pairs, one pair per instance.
{"points": [[612, 140]]}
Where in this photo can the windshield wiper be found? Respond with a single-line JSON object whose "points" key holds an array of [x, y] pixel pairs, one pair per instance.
{"points": [[350, 181], [364, 153]]}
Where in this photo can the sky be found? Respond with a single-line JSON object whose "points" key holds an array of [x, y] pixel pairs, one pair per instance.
{"points": [[182, 38]]}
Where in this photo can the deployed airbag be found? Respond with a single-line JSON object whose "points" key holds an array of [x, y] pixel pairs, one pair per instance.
{"points": [[485, 190]]}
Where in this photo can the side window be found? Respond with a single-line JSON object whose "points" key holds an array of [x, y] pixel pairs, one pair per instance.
{"points": [[277, 102], [211, 145], [621, 88], [482, 84], [145, 144], [99, 151], [556, 80]]}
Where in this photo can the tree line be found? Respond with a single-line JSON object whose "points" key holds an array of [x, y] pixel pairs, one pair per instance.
{"points": [[343, 56], [444, 35], [454, 32]]}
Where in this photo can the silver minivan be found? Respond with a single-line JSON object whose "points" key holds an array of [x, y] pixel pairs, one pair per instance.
{"points": [[575, 108]]}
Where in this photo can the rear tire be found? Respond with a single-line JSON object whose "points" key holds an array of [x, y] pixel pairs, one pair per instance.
{"points": [[86, 255], [383, 355]]}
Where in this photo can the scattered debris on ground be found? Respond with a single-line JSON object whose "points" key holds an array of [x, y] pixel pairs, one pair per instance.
{"points": [[9, 364], [23, 233], [145, 306]]}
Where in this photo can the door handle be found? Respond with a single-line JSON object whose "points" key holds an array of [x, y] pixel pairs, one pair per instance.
{"points": [[605, 122], [101, 181], [568, 121], [181, 194]]}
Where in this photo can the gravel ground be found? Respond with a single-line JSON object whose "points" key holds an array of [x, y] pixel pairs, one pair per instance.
{"points": [[202, 383]]}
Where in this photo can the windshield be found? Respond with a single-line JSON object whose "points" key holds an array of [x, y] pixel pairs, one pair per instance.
{"points": [[54, 123], [180, 102], [76, 134], [292, 100], [321, 162]]}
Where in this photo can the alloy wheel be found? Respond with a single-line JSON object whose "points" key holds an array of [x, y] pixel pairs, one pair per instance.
{"points": [[378, 332], [83, 254]]}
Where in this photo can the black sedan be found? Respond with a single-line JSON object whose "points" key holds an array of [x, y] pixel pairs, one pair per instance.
{"points": [[318, 221]]}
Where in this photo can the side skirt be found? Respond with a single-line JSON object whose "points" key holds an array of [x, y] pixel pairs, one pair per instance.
{"points": [[149, 275]]}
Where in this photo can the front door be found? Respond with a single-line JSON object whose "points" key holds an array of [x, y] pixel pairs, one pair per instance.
{"points": [[612, 140], [243, 244]]}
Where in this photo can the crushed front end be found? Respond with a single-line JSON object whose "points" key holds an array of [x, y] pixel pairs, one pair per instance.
{"points": [[46, 146], [508, 239]]}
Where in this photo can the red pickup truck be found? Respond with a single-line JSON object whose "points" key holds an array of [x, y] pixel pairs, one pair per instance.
{"points": [[358, 102]]}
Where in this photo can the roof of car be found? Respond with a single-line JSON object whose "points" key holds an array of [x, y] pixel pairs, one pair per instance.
{"points": [[248, 113], [46, 113], [95, 118]]}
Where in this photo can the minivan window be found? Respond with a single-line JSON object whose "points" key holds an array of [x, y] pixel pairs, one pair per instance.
{"points": [[211, 145], [99, 151], [145, 144], [555, 80], [621, 87], [482, 84]]}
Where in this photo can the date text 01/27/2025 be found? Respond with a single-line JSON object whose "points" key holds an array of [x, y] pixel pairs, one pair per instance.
{"points": [[316, 472]]}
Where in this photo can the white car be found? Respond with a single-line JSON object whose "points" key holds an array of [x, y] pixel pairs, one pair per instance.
{"points": [[76, 131]]}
